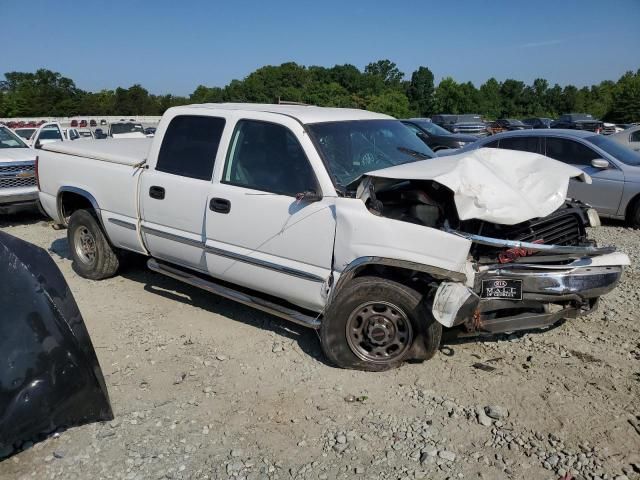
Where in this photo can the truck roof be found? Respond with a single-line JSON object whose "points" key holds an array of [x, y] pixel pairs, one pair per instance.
{"points": [[303, 113]]}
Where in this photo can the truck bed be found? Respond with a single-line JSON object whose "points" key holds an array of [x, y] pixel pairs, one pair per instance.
{"points": [[125, 151]]}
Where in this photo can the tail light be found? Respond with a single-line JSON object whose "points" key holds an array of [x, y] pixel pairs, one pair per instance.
{"points": [[36, 172]]}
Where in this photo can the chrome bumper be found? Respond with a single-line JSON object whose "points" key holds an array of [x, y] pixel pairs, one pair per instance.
{"points": [[579, 283]]}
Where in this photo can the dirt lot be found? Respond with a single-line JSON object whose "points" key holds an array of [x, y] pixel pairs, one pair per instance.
{"points": [[204, 388]]}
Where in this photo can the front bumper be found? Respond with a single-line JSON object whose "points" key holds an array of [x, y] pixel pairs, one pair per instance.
{"points": [[15, 199], [549, 293]]}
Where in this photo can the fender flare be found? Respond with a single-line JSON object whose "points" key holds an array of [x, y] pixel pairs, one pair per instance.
{"points": [[82, 193], [356, 265]]}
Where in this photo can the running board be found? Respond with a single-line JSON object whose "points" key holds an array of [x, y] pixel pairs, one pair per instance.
{"points": [[240, 297]]}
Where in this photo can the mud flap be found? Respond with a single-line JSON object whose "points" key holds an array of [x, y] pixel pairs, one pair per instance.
{"points": [[50, 377]]}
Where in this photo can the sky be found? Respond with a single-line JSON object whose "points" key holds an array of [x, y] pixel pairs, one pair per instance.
{"points": [[174, 46]]}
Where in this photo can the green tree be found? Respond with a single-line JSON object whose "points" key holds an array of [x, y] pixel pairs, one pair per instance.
{"points": [[420, 92], [625, 105], [385, 70], [391, 102]]}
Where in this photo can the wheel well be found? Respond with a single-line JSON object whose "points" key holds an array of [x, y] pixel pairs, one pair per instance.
{"points": [[440, 147], [69, 202], [410, 278], [631, 204]]}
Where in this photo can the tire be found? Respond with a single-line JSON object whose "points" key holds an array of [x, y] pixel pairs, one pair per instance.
{"points": [[376, 324], [92, 255], [633, 215]]}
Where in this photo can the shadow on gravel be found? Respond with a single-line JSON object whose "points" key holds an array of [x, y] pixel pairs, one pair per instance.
{"points": [[28, 217], [61, 248], [171, 289]]}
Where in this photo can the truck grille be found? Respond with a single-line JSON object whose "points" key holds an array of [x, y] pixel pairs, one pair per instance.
{"points": [[553, 230], [17, 175], [609, 129]]}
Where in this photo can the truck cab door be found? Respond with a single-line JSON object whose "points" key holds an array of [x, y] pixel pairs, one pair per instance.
{"points": [[271, 218], [174, 191], [47, 133]]}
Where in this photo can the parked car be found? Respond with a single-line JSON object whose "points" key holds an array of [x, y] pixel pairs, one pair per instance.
{"points": [[126, 130], [507, 125], [336, 219], [436, 137], [98, 133], [83, 124], [93, 123], [578, 121], [150, 131], [103, 122], [613, 168], [85, 133], [470, 124], [629, 138], [69, 134], [74, 123], [17, 173], [51, 133], [25, 133], [538, 122]]}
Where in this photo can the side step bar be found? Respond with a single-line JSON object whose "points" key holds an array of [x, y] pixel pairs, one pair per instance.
{"points": [[226, 292]]}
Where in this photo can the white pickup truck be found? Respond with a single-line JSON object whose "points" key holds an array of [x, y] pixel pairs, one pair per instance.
{"points": [[17, 176], [338, 220]]}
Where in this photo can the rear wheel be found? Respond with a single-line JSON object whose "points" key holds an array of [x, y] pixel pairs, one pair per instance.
{"points": [[92, 255], [633, 215], [376, 324]]}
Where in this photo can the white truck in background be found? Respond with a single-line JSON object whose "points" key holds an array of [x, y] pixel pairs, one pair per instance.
{"points": [[17, 173], [337, 219]]}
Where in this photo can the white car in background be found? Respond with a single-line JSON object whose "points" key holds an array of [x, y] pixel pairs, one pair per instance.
{"points": [[17, 173], [86, 133], [125, 129]]}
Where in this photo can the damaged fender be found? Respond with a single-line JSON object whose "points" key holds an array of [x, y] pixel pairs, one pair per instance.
{"points": [[50, 377]]}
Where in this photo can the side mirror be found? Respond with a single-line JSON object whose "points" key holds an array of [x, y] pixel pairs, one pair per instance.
{"points": [[38, 145], [308, 196], [600, 163]]}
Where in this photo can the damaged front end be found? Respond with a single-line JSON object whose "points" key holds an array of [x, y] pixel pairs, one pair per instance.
{"points": [[50, 377], [530, 262]]}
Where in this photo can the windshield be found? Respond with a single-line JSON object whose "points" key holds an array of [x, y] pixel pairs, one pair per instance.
{"points": [[581, 116], [616, 150], [50, 134], [431, 127], [353, 148], [8, 139], [25, 132], [117, 128], [513, 121]]}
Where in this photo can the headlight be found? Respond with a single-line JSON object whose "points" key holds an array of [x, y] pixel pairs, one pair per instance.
{"points": [[461, 143], [455, 130], [594, 218]]}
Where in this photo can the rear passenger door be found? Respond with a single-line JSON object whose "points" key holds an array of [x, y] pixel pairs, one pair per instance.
{"points": [[605, 192], [260, 233], [173, 193]]}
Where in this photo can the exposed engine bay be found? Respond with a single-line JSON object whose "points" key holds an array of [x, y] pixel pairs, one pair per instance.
{"points": [[426, 202]]}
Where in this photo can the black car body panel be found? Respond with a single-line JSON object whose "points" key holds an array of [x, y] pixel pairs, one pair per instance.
{"points": [[538, 122], [50, 377]]}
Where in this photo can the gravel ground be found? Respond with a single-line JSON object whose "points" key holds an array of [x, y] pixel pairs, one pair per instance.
{"points": [[203, 388]]}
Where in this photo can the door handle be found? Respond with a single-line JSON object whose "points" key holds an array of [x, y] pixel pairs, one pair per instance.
{"points": [[156, 192], [220, 205]]}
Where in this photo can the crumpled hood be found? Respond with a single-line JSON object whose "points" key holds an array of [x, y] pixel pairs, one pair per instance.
{"points": [[16, 154], [500, 186]]}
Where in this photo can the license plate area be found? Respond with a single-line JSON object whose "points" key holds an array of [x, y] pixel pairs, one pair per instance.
{"points": [[502, 288]]}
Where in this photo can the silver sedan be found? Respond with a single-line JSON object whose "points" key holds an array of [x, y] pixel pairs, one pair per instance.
{"points": [[629, 137], [614, 168]]}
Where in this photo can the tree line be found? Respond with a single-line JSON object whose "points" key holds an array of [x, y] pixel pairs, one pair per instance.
{"points": [[380, 87]]}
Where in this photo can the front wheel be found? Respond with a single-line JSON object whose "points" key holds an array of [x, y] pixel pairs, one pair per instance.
{"points": [[633, 217], [376, 324], [92, 255]]}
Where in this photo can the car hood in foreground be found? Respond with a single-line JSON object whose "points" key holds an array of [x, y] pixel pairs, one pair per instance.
{"points": [[50, 377], [500, 186], [16, 154]]}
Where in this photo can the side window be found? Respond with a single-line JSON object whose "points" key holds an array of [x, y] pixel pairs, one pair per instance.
{"points": [[413, 128], [190, 145], [523, 144], [492, 144], [635, 136], [569, 151], [267, 157]]}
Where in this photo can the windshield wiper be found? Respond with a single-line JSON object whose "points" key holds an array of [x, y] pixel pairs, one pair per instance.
{"points": [[414, 153]]}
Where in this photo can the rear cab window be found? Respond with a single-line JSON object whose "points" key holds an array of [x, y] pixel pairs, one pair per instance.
{"points": [[190, 146]]}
